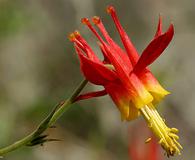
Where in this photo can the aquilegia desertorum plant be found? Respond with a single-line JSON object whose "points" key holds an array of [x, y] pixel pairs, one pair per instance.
{"points": [[126, 79], [125, 76]]}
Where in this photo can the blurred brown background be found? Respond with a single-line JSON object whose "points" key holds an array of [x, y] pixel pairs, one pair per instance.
{"points": [[38, 68]]}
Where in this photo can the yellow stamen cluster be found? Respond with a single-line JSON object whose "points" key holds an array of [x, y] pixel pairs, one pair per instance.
{"points": [[167, 136]]}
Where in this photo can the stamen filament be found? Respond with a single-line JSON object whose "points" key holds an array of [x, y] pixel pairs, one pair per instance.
{"points": [[167, 136]]}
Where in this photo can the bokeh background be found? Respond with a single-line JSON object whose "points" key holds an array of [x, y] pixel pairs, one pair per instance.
{"points": [[39, 68]]}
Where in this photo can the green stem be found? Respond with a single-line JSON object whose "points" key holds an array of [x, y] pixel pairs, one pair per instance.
{"points": [[58, 113], [66, 105]]}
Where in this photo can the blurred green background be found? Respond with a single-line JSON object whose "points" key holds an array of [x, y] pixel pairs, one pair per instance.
{"points": [[39, 68]]}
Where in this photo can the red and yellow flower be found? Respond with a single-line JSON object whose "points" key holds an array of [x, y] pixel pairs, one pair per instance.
{"points": [[125, 76]]}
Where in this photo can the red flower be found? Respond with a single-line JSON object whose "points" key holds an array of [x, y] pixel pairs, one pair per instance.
{"points": [[131, 85], [124, 74]]}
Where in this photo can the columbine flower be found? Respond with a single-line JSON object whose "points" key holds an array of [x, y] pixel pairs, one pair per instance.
{"points": [[125, 76]]}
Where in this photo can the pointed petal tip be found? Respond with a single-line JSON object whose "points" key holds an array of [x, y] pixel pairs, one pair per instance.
{"points": [[171, 26], [160, 16], [159, 27], [170, 31]]}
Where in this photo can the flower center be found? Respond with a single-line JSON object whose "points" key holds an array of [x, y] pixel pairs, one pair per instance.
{"points": [[167, 136]]}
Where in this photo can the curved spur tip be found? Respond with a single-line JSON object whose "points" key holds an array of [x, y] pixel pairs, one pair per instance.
{"points": [[96, 20], [110, 9], [85, 21]]}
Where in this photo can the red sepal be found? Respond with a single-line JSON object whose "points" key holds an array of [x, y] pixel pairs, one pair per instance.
{"points": [[154, 50], [91, 95]]}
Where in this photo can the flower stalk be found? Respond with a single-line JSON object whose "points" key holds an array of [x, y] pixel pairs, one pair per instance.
{"points": [[45, 124]]}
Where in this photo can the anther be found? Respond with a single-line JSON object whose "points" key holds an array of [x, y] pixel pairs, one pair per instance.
{"points": [[148, 140], [96, 20], [172, 135], [174, 130]]}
